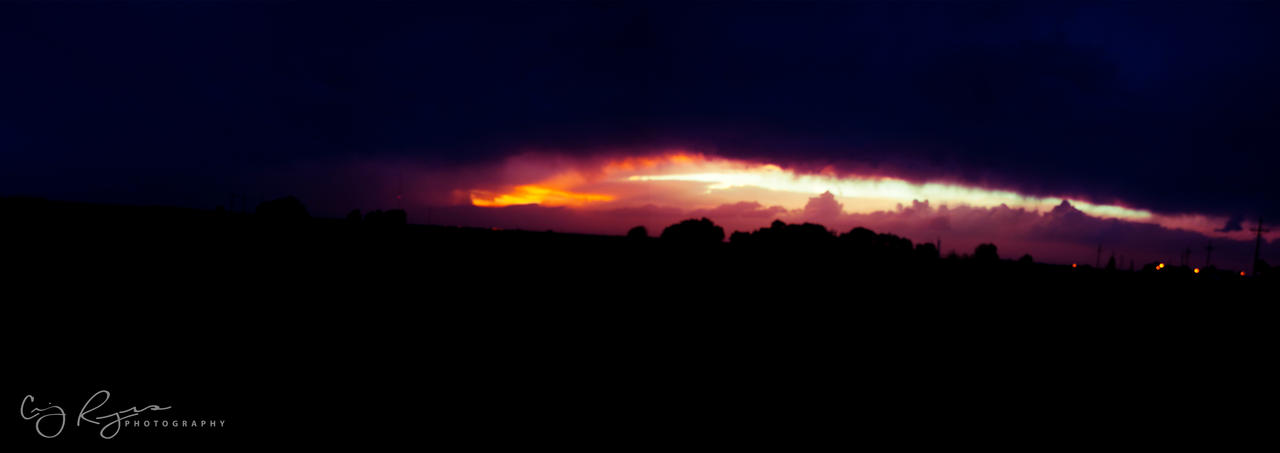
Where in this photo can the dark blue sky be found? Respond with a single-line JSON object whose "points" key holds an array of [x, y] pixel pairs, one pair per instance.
{"points": [[1170, 106]]}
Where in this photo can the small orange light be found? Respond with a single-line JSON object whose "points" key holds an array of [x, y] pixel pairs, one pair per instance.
{"points": [[1073, 265], [1242, 273], [1196, 270]]}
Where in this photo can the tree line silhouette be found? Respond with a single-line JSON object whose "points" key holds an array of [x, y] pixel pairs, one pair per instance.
{"points": [[372, 236], [781, 237]]}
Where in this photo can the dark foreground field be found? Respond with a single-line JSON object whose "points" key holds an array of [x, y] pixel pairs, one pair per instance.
{"points": [[331, 334]]}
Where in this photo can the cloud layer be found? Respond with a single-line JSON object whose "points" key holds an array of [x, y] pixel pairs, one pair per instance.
{"points": [[1063, 235], [1169, 106]]}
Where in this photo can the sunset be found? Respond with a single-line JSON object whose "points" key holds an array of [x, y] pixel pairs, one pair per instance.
{"points": [[610, 193], [639, 225]]}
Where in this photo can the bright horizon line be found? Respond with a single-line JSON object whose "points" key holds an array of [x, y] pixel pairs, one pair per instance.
{"points": [[698, 181]]}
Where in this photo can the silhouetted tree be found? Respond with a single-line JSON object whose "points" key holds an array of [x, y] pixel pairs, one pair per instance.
{"points": [[354, 216], [926, 251], [694, 231], [1026, 259], [893, 245], [809, 233], [1111, 264], [859, 242], [639, 232], [806, 235], [986, 253], [739, 237], [860, 237], [884, 248]]}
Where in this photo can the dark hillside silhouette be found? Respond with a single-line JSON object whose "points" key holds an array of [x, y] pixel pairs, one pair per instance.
{"points": [[775, 331], [779, 246], [380, 218], [287, 209]]}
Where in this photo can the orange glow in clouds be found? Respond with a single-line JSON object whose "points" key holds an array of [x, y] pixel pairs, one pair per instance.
{"points": [[535, 194], [696, 181], [566, 187]]}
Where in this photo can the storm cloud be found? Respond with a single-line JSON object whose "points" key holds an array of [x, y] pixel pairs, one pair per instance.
{"points": [[1167, 106]]}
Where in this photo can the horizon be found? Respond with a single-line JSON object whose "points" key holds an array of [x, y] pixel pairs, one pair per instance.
{"points": [[1053, 128], [655, 228]]}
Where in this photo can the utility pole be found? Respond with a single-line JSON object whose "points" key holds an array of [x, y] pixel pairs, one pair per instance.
{"points": [[1257, 246], [1208, 254]]}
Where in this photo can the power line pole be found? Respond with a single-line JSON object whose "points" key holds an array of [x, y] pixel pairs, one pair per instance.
{"points": [[1257, 246], [1208, 254]]}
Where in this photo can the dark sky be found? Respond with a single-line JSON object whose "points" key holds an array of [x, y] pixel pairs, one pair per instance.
{"points": [[1169, 106]]}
